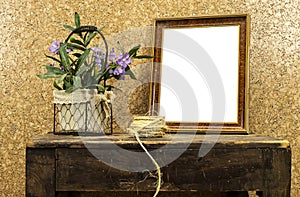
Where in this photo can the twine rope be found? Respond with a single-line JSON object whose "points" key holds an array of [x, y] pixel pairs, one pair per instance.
{"points": [[158, 186]]}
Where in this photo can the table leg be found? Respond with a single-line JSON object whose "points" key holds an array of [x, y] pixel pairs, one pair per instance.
{"points": [[40, 172]]}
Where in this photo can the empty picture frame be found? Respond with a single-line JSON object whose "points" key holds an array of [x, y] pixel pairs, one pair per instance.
{"points": [[200, 73]]}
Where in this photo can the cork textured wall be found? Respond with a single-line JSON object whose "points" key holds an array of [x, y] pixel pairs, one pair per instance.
{"points": [[27, 28]]}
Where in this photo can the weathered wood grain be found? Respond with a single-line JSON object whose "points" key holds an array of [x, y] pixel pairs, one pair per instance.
{"points": [[40, 172], [219, 170], [125, 141], [63, 165], [149, 194]]}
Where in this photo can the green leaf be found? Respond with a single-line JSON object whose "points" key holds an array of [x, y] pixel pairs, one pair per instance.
{"points": [[130, 73], [56, 86], [89, 38], [48, 76], [69, 27], [73, 40], [62, 78], [81, 70], [55, 70], [77, 54], [77, 83], [53, 58], [52, 72], [84, 37], [101, 88], [77, 19], [133, 51], [68, 86], [75, 47], [83, 57], [65, 61]]}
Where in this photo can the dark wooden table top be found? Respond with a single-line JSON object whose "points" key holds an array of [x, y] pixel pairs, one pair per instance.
{"points": [[126, 141]]}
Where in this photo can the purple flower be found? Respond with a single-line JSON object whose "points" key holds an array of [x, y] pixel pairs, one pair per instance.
{"points": [[52, 64], [119, 72], [68, 50], [116, 72], [123, 60], [112, 55], [102, 56], [62, 68], [54, 47], [96, 50], [99, 55], [98, 60]]}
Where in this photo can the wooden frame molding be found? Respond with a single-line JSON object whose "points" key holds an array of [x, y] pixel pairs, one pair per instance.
{"points": [[242, 21]]}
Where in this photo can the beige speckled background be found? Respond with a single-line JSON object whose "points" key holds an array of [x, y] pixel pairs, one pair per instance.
{"points": [[27, 28]]}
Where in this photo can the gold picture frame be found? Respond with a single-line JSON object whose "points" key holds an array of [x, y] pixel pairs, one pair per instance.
{"points": [[195, 43]]}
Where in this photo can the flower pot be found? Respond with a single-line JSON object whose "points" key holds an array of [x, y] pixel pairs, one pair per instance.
{"points": [[82, 111]]}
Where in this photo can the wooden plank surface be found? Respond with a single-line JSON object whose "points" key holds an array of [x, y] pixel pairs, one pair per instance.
{"points": [[147, 194], [125, 141], [219, 170]]}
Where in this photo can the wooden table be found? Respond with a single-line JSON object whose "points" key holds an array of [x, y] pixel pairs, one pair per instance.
{"points": [[58, 165]]}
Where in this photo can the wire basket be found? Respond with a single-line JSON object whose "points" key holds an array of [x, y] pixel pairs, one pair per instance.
{"points": [[82, 115]]}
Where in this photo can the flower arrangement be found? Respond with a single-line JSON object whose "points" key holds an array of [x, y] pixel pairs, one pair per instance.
{"points": [[76, 65]]}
